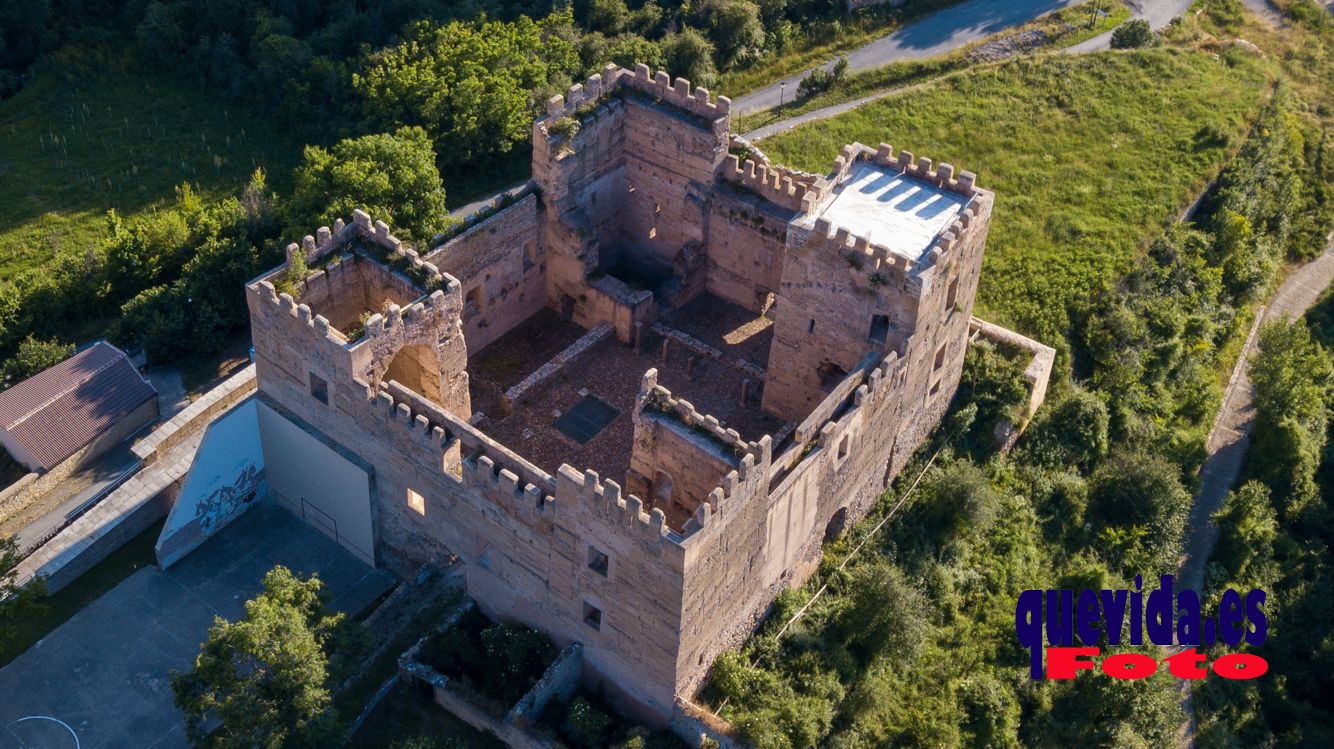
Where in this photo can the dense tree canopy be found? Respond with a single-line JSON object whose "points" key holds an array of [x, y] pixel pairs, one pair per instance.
{"points": [[473, 85], [392, 176], [263, 681]]}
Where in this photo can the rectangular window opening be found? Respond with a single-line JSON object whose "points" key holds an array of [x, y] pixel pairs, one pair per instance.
{"points": [[597, 561], [940, 358], [879, 329], [592, 616], [810, 327], [417, 503], [952, 295], [843, 446], [319, 388]]}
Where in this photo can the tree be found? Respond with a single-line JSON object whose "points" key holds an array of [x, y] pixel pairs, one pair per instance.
{"points": [[471, 84], [1293, 377], [1132, 34], [17, 602], [887, 616], [391, 176], [1138, 503], [1247, 529], [1071, 432], [33, 356], [263, 681], [735, 28], [689, 55]]}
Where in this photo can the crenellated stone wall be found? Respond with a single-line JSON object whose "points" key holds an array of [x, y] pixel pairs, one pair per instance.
{"points": [[631, 169]]}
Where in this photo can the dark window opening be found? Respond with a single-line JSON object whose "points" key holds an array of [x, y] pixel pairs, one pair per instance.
{"points": [[951, 295], [940, 358], [843, 446], [597, 561], [319, 388], [473, 304], [830, 375], [588, 417], [592, 616], [811, 327], [879, 329], [935, 388]]}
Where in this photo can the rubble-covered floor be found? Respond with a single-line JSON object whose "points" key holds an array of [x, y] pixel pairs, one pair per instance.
{"points": [[613, 372], [515, 355]]}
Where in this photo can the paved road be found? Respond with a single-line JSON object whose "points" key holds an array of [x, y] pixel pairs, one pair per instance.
{"points": [[1230, 435], [938, 33], [465, 211]]}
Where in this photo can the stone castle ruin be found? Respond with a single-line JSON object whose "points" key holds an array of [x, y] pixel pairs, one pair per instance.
{"points": [[636, 400]]}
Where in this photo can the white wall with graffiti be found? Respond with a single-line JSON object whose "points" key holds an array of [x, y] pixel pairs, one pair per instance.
{"points": [[226, 478]]}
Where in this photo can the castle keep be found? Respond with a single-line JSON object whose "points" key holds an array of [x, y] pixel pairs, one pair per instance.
{"points": [[634, 401]]}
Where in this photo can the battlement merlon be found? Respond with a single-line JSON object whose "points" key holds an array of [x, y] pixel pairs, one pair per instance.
{"points": [[660, 86], [345, 236]]}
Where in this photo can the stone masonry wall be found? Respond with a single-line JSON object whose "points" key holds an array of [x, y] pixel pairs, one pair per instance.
{"points": [[501, 263], [747, 238]]}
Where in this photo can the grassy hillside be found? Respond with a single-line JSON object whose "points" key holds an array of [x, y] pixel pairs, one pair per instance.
{"points": [[90, 132], [1089, 156]]}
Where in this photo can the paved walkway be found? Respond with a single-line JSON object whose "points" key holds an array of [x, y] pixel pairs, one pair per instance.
{"points": [[941, 32], [1230, 436], [103, 676], [74, 495]]}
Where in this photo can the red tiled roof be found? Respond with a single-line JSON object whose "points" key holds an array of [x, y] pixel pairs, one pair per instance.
{"points": [[59, 410]]}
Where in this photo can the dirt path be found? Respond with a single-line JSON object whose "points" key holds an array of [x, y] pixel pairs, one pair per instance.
{"points": [[1230, 435]]}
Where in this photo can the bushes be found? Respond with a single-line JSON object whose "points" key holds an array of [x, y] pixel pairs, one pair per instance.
{"points": [[1294, 380], [1138, 507], [33, 356], [820, 80], [1133, 34], [499, 662], [392, 176]]}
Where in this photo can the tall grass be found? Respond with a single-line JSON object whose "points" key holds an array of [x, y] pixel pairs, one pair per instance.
{"points": [[90, 132], [1089, 157]]}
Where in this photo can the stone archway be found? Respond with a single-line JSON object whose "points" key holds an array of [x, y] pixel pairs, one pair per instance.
{"points": [[417, 367]]}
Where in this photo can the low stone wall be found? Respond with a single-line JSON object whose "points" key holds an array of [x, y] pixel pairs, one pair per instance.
{"points": [[1037, 373], [559, 682], [559, 361], [141, 500], [196, 416], [27, 490]]}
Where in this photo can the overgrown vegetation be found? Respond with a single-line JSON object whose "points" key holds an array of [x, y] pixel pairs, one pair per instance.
{"points": [[913, 642], [497, 662], [588, 722], [1275, 533]]}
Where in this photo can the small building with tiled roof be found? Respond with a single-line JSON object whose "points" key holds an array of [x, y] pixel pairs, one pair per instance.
{"points": [[83, 405]]}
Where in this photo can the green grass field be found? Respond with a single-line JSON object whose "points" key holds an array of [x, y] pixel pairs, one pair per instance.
{"points": [[1089, 157], [92, 132]]}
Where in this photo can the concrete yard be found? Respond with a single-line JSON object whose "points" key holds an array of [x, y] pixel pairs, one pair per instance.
{"points": [[103, 675]]}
